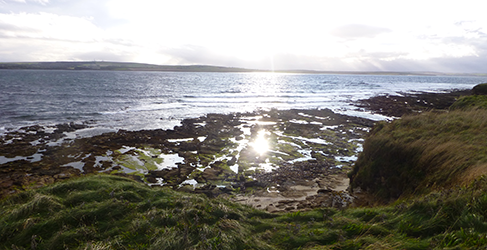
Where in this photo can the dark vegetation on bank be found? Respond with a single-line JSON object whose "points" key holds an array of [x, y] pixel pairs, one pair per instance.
{"points": [[427, 169], [118, 66]]}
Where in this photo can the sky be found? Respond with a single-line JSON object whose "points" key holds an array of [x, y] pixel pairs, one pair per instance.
{"points": [[346, 35]]}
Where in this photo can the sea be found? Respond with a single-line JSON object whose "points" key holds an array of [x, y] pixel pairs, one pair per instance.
{"points": [[113, 100]]}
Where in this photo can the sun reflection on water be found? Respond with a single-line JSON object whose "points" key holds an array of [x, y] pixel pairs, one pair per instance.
{"points": [[260, 144]]}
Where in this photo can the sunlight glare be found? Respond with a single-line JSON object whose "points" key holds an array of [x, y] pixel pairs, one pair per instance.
{"points": [[260, 144]]}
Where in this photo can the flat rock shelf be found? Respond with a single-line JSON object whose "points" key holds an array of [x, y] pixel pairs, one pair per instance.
{"points": [[277, 160], [286, 159]]}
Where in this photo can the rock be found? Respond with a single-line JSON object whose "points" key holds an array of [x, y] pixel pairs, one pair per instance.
{"points": [[271, 208], [213, 173], [253, 183], [324, 191], [151, 179]]}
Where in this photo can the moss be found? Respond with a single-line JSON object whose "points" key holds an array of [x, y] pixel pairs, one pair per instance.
{"points": [[139, 159]]}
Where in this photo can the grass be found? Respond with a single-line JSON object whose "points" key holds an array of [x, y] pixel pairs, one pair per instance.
{"points": [[118, 213], [469, 102], [418, 154], [109, 212]]}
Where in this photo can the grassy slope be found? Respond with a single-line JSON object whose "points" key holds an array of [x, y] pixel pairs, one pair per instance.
{"points": [[417, 154], [421, 153], [108, 212], [113, 212]]}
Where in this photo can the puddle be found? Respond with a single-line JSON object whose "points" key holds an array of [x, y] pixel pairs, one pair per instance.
{"points": [[33, 158], [4, 159], [261, 144], [346, 158], [306, 156], [179, 140], [329, 127], [298, 121], [169, 161], [191, 182], [77, 164]]}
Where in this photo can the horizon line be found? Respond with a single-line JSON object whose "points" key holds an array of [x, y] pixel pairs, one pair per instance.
{"points": [[229, 68]]}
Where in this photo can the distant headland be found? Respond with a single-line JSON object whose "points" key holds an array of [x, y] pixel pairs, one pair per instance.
{"points": [[128, 66]]}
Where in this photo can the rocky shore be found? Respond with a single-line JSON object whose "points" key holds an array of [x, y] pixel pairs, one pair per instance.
{"points": [[274, 160], [410, 103]]}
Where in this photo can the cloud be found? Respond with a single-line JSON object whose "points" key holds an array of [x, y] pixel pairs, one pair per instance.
{"points": [[49, 26], [102, 55], [196, 54], [358, 31], [340, 35], [43, 2]]}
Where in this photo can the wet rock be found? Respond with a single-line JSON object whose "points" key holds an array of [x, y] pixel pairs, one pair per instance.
{"points": [[218, 146], [151, 179], [190, 146], [212, 174], [324, 191], [253, 183], [397, 106]]}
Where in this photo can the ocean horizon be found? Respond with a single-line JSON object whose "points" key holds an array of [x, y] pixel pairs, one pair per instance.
{"points": [[113, 100]]}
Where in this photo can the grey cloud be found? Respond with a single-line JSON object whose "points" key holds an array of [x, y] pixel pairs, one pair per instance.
{"points": [[191, 54], [195, 54], [6, 28], [358, 31], [468, 64], [100, 56], [384, 62], [86, 8]]}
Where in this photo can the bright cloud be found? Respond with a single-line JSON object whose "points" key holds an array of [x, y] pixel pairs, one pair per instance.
{"points": [[49, 26], [310, 34]]}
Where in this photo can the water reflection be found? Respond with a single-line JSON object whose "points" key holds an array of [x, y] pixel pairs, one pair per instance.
{"points": [[260, 144]]}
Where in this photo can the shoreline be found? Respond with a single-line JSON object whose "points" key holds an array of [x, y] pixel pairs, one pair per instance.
{"points": [[310, 152]]}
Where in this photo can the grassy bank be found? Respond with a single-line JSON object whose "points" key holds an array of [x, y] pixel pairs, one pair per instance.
{"points": [[107, 212], [421, 153], [418, 154]]}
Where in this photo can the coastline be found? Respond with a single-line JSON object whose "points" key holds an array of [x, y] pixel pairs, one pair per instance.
{"points": [[131, 66], [214, 155]]}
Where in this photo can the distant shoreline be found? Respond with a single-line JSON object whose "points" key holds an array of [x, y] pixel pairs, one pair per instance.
{"points": [[126, 66]]}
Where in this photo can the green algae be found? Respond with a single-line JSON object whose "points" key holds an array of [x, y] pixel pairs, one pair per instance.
{"points": [[140, 159]]}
